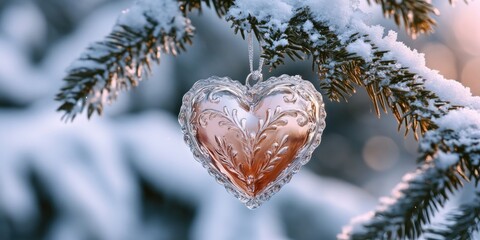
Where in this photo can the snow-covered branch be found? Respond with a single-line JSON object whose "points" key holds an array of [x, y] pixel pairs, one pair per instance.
{"points": [[411, 205], [455, 144], [122, 59], [462, 223]]}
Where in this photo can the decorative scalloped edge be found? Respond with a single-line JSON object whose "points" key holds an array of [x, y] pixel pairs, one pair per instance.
{"points": [[303, 156]]}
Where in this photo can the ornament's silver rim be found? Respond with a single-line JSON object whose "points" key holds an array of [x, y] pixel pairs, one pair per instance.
{"points": [[302, 157]]}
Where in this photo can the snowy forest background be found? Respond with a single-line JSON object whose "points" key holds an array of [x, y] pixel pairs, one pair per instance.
{"points": [[128, 174]]}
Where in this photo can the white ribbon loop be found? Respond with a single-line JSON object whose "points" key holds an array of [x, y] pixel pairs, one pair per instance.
{"points": [[255, 75]]}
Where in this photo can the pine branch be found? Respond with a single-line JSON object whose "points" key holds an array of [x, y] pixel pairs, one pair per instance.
{"points": [[462, 224], [123, 58], [410, 206], [460, 148], [413, 14]]}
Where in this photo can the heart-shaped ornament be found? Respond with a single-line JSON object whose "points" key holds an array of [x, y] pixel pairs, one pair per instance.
{"points": [[252, 139]]}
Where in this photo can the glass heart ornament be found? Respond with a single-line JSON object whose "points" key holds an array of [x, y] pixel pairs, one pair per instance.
{"points": [[252, 139]]}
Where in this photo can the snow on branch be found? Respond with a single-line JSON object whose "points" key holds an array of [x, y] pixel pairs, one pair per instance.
{"points": [[455, 143], [122, 59]]}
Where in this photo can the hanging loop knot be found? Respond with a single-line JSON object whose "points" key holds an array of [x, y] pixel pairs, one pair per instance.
{"points": [[255, 76]]}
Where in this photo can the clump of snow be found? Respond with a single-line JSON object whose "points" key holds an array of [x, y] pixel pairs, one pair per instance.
{"points": [[446, 160], [162, 11], [459, 119], [398, 50], [398, 190], [337, 13], [361, 48], [275, 13], [282, 43], [356, 225], [307, 26], [452, 91]]}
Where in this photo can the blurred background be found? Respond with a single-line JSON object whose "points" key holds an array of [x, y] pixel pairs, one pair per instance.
{"points": [[128, 174]]}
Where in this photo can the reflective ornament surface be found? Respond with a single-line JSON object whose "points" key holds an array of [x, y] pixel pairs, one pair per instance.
{"points": [[252, 139]]}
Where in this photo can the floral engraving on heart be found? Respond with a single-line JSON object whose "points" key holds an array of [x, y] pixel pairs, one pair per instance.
{"points": [[253, 139], [257, 164]]}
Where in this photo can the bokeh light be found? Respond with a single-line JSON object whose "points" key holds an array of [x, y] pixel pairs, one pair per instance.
{"points": [[466, 28], [439, 56], [471, 75], [380, 153]]}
